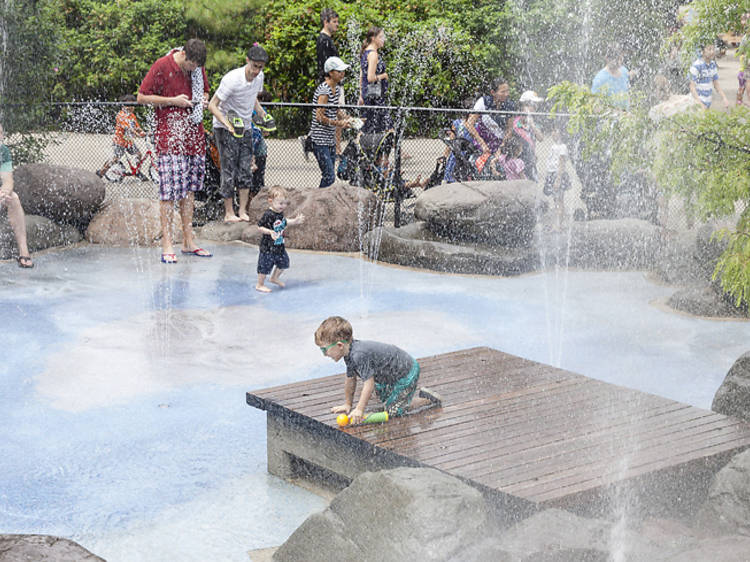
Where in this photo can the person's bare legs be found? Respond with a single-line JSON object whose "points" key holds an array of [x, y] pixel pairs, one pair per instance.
{"points": [[260, 286], [244, 196], [187, 206], [17, 222], [275, 274], [166, 217], [229, 215]]}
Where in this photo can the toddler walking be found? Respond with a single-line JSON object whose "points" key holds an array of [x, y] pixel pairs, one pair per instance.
{"points": [[273, 257]]}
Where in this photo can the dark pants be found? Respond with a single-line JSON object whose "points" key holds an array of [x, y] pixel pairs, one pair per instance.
{"points": [[236, 158], [326, 156], [259, 175]]}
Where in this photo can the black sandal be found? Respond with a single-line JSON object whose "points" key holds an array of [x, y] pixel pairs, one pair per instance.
{"points": [[25, 262]]}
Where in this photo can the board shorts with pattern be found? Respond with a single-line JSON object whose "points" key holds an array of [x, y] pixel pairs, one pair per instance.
{"points": [[397, 396], [236, 157], [179, 174]]}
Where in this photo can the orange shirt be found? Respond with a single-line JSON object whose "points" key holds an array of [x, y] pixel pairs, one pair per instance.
{"points": [[126, 125]]}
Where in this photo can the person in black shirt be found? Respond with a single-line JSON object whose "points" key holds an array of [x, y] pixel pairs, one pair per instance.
{"points": [[324, 46], [324, 49], [273, 255]]}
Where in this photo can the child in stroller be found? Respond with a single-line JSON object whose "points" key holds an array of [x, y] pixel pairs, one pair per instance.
{"points": [[464, 160], [366, 162]]}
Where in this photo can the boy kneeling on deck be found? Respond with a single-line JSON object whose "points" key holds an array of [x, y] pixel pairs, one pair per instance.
{"points": [[388, 370]]}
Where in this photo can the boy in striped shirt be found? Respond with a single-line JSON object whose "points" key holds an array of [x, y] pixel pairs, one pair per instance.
{"points": [[704, 77]]}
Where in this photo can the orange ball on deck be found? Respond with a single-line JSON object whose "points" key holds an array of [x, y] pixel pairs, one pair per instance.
{"points": [[342, 420]]}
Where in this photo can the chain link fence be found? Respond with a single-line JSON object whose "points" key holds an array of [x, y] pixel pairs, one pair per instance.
{"points": [[427, 147]]}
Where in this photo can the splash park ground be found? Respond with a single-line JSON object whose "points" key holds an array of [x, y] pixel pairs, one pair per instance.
{"points": [[124, 381]]}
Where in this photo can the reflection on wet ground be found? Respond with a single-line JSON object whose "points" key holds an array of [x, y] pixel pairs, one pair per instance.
{"points": [[123, 380]]}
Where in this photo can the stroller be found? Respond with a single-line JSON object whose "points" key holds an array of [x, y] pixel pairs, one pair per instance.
{"points": [[366, 162], [465, 160]]}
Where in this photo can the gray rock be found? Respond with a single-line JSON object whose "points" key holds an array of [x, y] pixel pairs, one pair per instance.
{"points": [[125, 222], [727, 509], [733, 396], [416, 246], [560, 536], [227, 232], [335, 217], [63, 194], [706, 300], [399, 514], [613, 244], [497, 213], [41, 233], [43, 548], [719, 549], [708, 247], [676, 263]]}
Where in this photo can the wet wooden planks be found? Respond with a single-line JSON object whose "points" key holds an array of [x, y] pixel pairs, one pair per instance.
{"points": [[523, 429]]}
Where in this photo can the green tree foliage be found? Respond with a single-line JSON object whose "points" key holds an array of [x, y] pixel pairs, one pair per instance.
{"points": [[228, 27], [559, 40], [29, 33], [702, 156], [109, 45], [443, 51]]}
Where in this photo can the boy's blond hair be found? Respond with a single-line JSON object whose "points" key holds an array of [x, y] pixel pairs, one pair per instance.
{"points": [[333, 329], [276, 191]]}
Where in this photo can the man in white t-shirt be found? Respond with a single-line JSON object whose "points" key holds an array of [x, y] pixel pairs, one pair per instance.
{"points": [[232, 106]]}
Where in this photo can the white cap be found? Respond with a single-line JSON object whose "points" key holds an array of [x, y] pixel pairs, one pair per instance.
{"points": [[530, 96], [334, 63]]}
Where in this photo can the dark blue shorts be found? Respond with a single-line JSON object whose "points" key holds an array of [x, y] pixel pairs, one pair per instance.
{"points": [[266, 261]]}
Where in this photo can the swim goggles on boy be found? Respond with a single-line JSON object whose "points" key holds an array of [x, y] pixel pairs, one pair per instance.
{"points": [[326, 348]]}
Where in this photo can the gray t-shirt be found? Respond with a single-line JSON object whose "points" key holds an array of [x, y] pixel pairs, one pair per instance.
{"points": [[386, 362]]}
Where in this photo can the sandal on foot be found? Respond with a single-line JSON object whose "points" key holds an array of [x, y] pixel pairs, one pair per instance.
{"points": [[168, 258], [431, 395], [25, 262], [200, 252]]}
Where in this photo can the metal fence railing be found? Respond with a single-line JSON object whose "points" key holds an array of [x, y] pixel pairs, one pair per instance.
{"points": [[397, 166]]}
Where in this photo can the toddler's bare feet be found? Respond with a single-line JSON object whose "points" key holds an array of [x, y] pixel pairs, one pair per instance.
{"points": [[278, 282], [244, 217], [231, 219], [262, 289]]}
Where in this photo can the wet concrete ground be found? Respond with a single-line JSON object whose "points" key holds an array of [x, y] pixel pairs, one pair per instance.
{"points": [[123, 380]]}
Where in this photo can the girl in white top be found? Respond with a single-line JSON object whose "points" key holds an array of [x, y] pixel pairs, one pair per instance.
{"points": [[557, 181]]}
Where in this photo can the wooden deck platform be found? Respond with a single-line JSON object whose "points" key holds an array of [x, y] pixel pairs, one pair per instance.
{"points": [[527, 434]]}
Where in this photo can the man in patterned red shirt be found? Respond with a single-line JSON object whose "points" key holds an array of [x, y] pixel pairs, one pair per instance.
{"points": [[177, 85]]}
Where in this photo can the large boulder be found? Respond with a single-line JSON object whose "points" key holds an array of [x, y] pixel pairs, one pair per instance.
{"points": [[125, 222], [675, 262], [43, 548], [727, 509], [733, 396], [500, 213], [63, 194], [613, 244], [560, 536], [336, 217], [415, 245], [399, 514], [706, 300], [41, 233]]}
